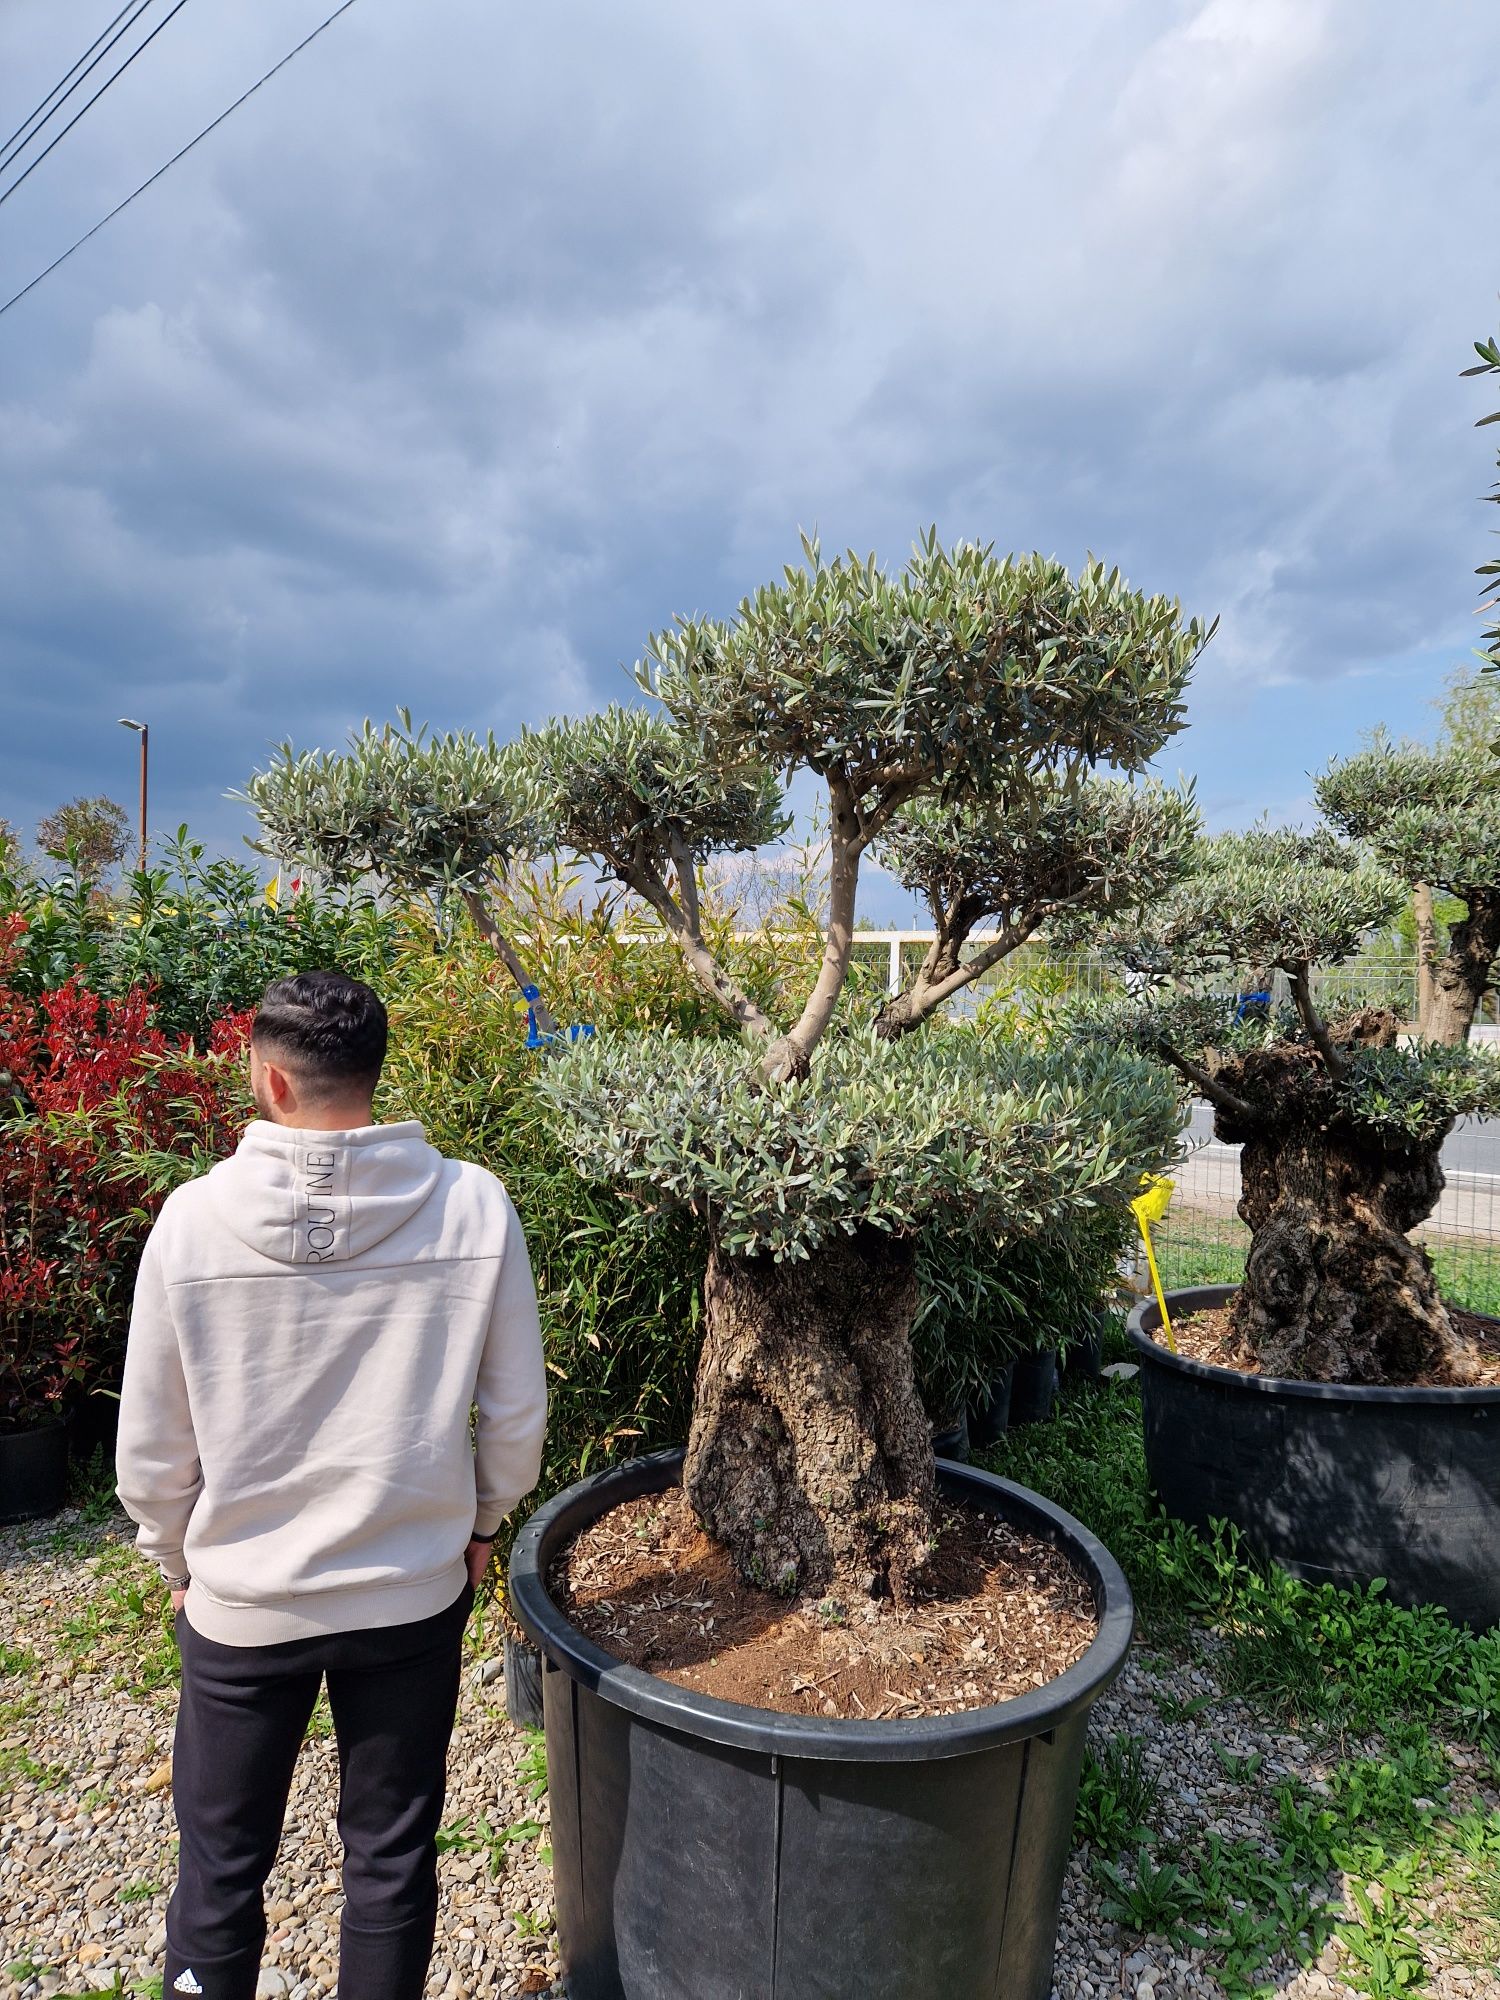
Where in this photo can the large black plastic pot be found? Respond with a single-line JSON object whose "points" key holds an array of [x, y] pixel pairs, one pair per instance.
{"points": [[1337, 1484], [33, 1472], [707, 1851]]}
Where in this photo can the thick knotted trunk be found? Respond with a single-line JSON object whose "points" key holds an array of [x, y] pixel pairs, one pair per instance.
{"points": [[1334, 1288], [810, 1455], [1462, 976]]}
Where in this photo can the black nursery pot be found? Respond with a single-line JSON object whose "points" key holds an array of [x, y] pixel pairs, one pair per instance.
{"points": [[1339, 1484], [33, 1472], [93, 1425], [950, 1437], [989, 1414], [703, 1850], [1033, 1388]]}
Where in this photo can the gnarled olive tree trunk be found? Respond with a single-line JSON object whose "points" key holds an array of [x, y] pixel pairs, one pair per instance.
{"points": [[1461, 977], [810, 1454], [1334, 1288]]}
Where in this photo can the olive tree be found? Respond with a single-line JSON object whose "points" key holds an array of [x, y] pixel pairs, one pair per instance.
{"points": [[1055, 857], [1340, 1126], [430, 817], [820, 1159], [1432, 816]]}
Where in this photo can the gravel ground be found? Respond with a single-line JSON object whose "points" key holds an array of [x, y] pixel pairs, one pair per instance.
{"points": [[87, 1850], [86, 1853]]}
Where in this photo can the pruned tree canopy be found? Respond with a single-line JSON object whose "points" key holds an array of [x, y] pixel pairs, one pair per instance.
{"points": [[953, 1130], [1433, 816], [964, 677], [1059, 855], [427, 815], [1269, 897], [1428, 815]]}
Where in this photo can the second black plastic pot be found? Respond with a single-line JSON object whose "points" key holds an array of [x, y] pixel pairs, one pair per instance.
{"points": [[33, 1472], [707, 1851], [989, 1414], [1033, 1388], [1336, 1482]]}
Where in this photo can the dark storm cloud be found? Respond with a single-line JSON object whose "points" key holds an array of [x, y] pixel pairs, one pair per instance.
{"points": [[482, 341]]}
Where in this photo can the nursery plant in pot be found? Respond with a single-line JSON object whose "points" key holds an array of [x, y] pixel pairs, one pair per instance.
{"points": [[770, 1774], [1332, 1405]]}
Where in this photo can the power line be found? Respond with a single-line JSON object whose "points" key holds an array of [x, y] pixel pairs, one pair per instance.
{"points": [[16, 298], [139, 49], [22, 131]]}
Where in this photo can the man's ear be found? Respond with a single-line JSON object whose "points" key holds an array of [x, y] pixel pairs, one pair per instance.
{"points": [[278, 1083]]}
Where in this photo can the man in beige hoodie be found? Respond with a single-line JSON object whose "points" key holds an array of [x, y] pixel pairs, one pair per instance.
{"points": [[333, 1395]]}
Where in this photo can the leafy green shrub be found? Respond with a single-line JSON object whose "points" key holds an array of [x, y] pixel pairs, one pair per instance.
{"points": [[199, 934]]}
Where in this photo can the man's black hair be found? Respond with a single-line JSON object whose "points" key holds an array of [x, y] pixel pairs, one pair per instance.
{"points": [[329, 1028]]}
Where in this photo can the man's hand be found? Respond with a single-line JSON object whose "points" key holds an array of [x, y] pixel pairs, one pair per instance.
{"points": [[477, 1556], [179, 1598]]}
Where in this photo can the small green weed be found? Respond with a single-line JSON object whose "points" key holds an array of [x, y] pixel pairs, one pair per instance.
{"points": [[1116, 1796], [139, 1892], [1384, 1956], [16, 1663], [1155, 1898], [1239, 1770], [532, 1769]]}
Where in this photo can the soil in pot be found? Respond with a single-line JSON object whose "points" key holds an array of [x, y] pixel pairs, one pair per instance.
{"points": [[1209, 1336], [1003, 1613]]}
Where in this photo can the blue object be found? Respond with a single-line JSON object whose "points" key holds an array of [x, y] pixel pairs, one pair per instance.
{"points": [[581, 1031], [1252, 1007]]}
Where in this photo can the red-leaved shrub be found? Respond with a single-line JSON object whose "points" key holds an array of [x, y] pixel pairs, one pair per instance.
{"points": [[89, 1088]]}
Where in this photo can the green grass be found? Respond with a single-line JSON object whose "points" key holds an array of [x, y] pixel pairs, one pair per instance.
{"points": [[1378, 1689]]}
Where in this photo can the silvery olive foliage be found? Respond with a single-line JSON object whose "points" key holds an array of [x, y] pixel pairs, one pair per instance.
{"points": [[1272, 897], [427, 815], [1060, 856], [1289, 901], [633, 791], [1427, 815], [963, 676], [952, 675], [1097, 844], [954, 1130]]}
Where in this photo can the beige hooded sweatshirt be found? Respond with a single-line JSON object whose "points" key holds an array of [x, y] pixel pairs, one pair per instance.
{"points": [[314, 1320]]}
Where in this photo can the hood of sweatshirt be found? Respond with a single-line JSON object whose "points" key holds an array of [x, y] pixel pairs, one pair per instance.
{"points": [[307, 1197]]}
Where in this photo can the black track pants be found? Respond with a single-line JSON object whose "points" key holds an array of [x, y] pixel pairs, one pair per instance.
{"points": [[243, 1713]]}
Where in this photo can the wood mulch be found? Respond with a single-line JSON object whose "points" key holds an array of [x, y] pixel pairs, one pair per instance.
{"points": [[1208, 1336], [1006, 1612]]}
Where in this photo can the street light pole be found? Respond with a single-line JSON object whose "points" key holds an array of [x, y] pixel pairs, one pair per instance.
{"points": [[145, 736]]}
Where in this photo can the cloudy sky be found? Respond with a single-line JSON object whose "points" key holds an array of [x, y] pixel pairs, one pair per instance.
{"points": [[485, 338]]}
